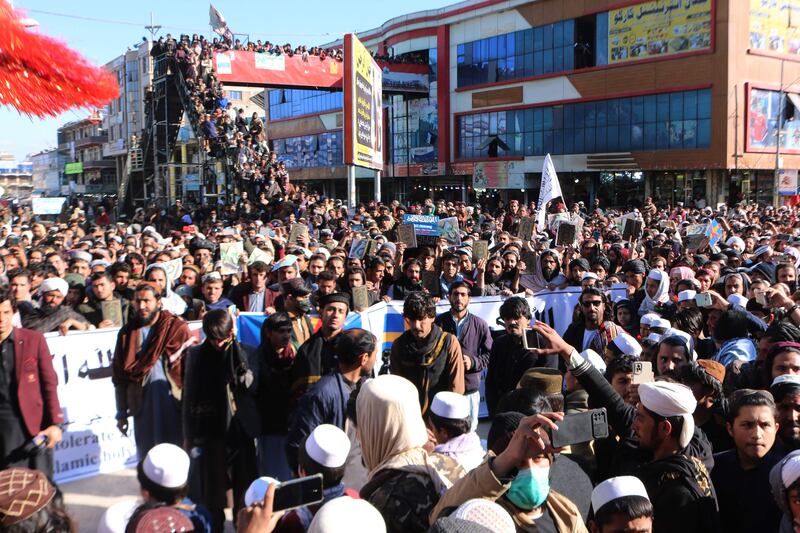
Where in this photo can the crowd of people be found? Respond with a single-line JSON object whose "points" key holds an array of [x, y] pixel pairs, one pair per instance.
{"points": [[692, 347]]}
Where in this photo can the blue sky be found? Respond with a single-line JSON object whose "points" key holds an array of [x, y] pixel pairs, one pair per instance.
{"points": [[308, 22]]}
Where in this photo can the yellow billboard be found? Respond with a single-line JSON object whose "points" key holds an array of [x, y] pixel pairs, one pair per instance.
{"points": [[363, 106], [775, 26], [658, 28]]}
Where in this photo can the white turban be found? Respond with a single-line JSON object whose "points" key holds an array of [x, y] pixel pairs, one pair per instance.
{"points": [[627, 345], [736, 243], [55, 284], [671, 399]]}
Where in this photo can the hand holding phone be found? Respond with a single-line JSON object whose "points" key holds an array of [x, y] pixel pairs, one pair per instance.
{"points": [[289, 494], [578, 428], [703, 299], [643, 372]]}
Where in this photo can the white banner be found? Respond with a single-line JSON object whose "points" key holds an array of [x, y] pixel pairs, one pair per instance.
{"points": [[92, 444]]}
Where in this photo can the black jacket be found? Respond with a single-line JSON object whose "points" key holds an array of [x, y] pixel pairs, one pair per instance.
{"points": [[508, 361], [623, 456], [210, 375]]}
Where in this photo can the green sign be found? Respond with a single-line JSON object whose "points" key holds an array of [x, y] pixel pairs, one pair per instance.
{"points": [[73, 168]]}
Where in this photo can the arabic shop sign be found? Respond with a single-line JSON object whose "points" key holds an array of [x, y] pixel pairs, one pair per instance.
{"points": [[658, 28]]}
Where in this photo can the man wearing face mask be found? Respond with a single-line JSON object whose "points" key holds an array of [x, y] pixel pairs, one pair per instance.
{"points": [[509, 359], [517, 476], [326, 401], [148, 372], [294, 300], [220, 415]]}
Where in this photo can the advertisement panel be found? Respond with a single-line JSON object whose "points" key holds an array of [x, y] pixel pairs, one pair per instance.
{"points": [[762, 122], [363, 106], [775, 26], [497, 175], [73, 168], [658, 28], [787, 182]]}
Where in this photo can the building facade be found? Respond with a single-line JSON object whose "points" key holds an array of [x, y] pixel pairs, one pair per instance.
{"points": [[46, 174], [16, 177], [124, 117], [682, 100], [84, 169]]}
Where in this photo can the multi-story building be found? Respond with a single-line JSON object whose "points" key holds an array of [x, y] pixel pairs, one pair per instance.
{"points": [[124, 117], [16, 177], [83, 167], [682, 100], [46, 173]]}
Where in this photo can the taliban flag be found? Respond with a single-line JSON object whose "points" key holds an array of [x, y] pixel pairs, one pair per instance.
{"points": [[549, 190], [216, 21]]}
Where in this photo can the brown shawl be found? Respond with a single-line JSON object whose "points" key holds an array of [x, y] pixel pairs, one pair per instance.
{"points": [[166, 337]]}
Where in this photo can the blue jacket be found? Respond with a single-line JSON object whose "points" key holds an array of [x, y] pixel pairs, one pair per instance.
{"points": [[324, 403], [476, 343]]}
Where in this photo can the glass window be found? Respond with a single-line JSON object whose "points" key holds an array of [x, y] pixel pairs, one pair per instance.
{"points": [[662, 114], [704, 103], [676, 106]]}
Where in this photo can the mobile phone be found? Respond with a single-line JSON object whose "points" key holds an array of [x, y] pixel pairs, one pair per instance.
{"points": [[289, 494], [298, 493], [643, 372], [702, 299], [578, 428], [531, 339], [761, 297]]}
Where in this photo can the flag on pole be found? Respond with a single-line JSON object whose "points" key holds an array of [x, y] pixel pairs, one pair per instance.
{"points": [[216, 21], [549, 190]]}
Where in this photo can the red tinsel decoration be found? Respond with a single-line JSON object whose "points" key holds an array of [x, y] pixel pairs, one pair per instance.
{"points": [[42, 76]]}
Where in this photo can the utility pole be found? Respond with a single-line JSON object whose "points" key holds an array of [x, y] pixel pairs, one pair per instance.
{"points": [[153, 28], [777, 180]]}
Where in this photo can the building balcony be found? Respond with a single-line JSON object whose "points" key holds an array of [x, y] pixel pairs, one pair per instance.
{"points": [[92, 140], [99, 164]]}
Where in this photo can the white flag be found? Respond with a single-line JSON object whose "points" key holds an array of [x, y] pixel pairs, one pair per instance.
{"points": [[216, 21], [549, 190]]}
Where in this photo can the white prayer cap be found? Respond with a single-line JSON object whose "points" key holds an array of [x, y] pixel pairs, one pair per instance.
{"points": [[115, 519], [762, 250], [671, 399], [685, 296], [450, 405], [257, 490], [684, 337], [615, 488], [736, 242], [485, 513], [80, 255], [347, 514], [166, 465], [99, 262], [589, 275], [790, 471], [786, 379], [328, 445], [648, 318], [55, 284], [737, 299], [656, 274], [655, 337], [660, 323], [627, 344], [595, 359]]}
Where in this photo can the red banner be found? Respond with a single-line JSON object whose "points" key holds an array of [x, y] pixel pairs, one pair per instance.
{"points": [[251, 68]]}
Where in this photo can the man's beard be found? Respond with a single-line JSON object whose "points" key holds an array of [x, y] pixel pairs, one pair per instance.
{"points": [[491, 277], [548, 273], [791, 439], [147, 319], [49, 309]]}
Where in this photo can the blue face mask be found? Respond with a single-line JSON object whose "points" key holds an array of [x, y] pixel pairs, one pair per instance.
{"points": [[530, 488]]}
